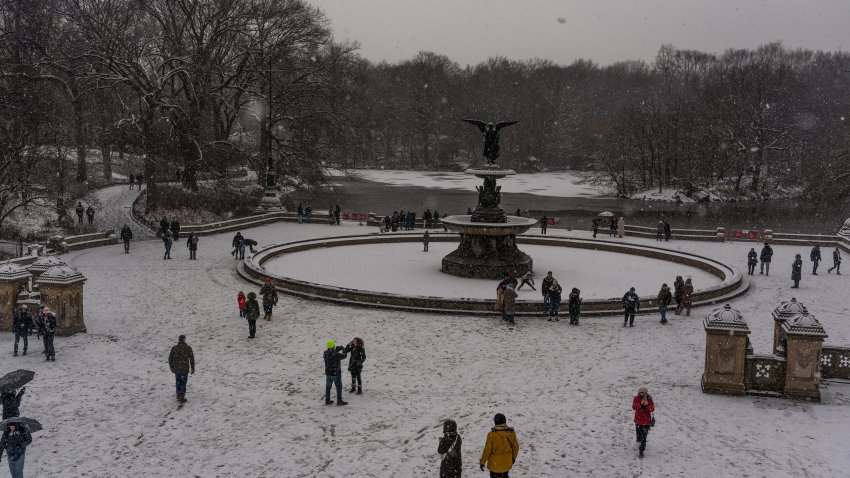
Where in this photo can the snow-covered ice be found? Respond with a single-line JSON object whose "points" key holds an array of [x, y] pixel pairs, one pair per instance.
{"points": [[255, 407]]}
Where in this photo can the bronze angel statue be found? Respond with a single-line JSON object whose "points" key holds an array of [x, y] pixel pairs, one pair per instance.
{"points": [[490, 132]]}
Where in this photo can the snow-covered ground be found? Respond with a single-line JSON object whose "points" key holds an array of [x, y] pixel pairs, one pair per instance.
{"points": [[558, 184], [255, 406], [404, 268]]}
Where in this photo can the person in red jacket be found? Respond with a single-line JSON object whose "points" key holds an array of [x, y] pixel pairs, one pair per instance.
{"points": [[241, 300], [643, 407]]}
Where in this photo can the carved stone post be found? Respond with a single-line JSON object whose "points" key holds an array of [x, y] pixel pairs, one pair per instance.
{"points": [[804, 336], [13, 278], [726, 345], [62, 290], [782, 313]]}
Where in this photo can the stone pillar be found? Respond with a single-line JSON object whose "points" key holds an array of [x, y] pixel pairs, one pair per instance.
{"points": [[782, 313], [804, 335], [62, 290], [726, 345], [13, 279]]}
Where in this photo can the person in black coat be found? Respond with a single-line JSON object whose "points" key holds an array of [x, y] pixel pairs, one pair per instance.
{"points": [[126, 237], [333, 372], [664, 299], [678, 293], [451, 464], [816, 258], [554, 301], [544, 222], [80, 210], [163, 227], [797, 271], [15, 440], [668, 232], [574, 306], [355, 363], [595, 226], [175, 229], [765, 257], [46, 323], [836, 262], [90, 214], [12, 403], [752, 260], [22, 326], [192, 244], [631, 304], [238, 245]]}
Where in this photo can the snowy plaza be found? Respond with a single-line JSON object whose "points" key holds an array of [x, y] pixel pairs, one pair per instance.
{"points": [[256, 407]]}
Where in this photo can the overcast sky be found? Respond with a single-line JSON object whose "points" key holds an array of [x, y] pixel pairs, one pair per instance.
{"points": [[470, 31]]}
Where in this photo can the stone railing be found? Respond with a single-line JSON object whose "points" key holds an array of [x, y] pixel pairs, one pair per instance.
{"points": [[764, 373], [714, 235], [82, 241], [835, 362]]}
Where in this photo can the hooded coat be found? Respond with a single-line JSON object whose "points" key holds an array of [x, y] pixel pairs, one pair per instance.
{"points": [[252, 307], [15, 443], [797, 269], [355, 361], [510, 296], [501, 449], [451, 465]]}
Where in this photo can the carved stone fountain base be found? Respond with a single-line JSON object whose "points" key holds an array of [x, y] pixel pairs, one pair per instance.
{"points": [[487, 250]]}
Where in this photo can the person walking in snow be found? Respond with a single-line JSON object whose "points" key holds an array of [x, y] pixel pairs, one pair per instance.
{"points": [[678, 292], [595, 226], [765, 257], [238, 245], [752, 260], [527, 280], [269, 294], [192, 244], [621, 227], [300, 214], [668, 233], [612, 228], [90, 214], [544, 289], [426, 238], [252, 313], [426, 218], [574, 306], [816, 258], [175, 229], [46, 324], [449, 448], [544, 222], [836, 262], [333, 372], [644, 407], [659, 231], [510, 296], [12, 402], [15, 440], [664, 299], [631, 304], [132, 179], [308, 213], [167, 242], [22, 326], [181, 361], [554, 301], [163, 227], [797, 271], [337, 213], [355, 363], [500, 450], [80, 210], [687, 296], [126, 237]]}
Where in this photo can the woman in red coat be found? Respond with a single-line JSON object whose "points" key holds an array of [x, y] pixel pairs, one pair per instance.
{"points": [[643, 407]]}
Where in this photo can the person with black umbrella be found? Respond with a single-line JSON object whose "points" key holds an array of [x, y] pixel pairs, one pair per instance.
{"points": [[15, 440]]}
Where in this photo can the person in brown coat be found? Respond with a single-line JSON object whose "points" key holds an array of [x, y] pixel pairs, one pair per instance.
{"points": [[687, 294], [451, 465], [509, 297]]}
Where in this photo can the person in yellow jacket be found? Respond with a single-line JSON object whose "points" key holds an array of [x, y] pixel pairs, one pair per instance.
{"points": [[501, 449]]}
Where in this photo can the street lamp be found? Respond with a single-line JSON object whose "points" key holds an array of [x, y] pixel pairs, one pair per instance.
{"points": [[270, 201]]}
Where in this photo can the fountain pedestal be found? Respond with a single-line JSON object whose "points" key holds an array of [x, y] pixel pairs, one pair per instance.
{"points": [[487, 250]]}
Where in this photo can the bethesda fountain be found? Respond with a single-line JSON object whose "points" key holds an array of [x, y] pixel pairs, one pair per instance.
{"points": [[488, 247]]}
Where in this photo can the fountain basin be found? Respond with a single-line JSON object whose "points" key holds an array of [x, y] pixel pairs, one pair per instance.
{"points": [[487, 250], [512, 226]]}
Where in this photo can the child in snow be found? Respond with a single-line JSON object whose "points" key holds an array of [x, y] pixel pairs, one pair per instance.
{"points": [[240, 299]]}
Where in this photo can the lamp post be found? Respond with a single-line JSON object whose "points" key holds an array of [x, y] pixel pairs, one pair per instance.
{"points": [[270, 201]]}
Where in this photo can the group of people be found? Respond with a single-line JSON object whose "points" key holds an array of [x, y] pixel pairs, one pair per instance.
{"points": [[663, 232], [249, 308], [304, 214], [169, 232], [615, 228], [506, 295], [406, 220], [766, 256], [333, 356], [239, 243], [89, 213], [136, 179], [44, 324]]}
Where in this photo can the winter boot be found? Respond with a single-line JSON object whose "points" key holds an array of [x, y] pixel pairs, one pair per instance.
{"points": [[353, 388], [640, 454], [16, 354], [181, 397], [359, 390], [341, 403], [25, 351], [329, 402]]}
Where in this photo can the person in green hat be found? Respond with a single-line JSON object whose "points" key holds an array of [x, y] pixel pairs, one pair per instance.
{"points": [[333, 372]]}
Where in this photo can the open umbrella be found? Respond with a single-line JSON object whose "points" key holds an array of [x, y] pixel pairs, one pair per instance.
{"points": [[15, 380], [31, 424]]}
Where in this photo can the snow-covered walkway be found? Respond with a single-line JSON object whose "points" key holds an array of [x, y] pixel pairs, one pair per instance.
{"points": [[255, 406], [115, 205]]}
